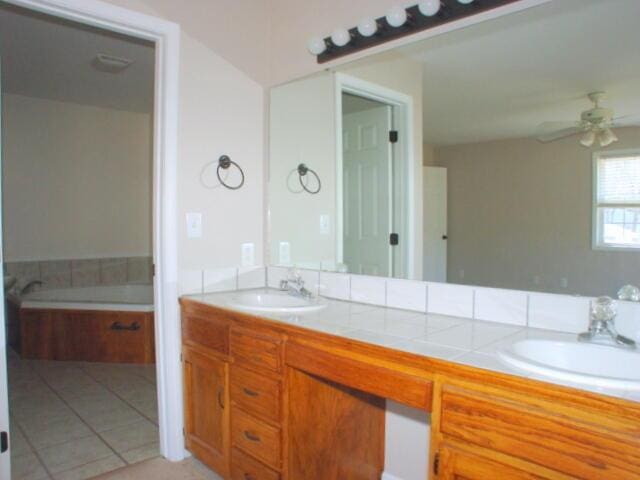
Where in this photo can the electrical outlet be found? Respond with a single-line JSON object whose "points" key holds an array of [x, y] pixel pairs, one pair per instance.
{"points": [[284, 253], [194, 225], [248, 255], [325, 224]]}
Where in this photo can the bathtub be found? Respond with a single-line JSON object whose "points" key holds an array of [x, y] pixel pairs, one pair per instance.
{"points": [[130, 298], [93, 324]]}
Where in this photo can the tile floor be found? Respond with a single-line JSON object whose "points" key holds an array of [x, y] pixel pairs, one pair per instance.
{"points": [[73, 421], [161, 469]]}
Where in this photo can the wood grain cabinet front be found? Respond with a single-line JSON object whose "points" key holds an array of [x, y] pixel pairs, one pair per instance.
{"points": [[256, 394], [206, 408], [548, 438], [243, 467], [454, 464], [256, 438]]}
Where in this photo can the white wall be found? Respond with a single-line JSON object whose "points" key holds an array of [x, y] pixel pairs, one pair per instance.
{"points": [[77, 181], [221, 111]]}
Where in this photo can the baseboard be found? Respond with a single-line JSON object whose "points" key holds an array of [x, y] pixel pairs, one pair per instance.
{"points": [[388, 476]]}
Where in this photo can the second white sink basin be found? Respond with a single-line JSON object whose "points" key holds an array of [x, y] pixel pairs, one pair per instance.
{"points": [[589, 364], [275, 302]]}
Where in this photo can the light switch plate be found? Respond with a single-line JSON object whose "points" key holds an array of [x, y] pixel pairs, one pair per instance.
{"points": [[194, 225], [325, 224], [248, 255], [284, 253]]}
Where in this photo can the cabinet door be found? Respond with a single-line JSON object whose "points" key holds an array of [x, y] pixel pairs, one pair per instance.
{"points": [[206, 409], [454, 464]]}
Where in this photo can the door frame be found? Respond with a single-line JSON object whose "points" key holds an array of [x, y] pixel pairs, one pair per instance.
{"points": [[166, 37], [402, 114]]}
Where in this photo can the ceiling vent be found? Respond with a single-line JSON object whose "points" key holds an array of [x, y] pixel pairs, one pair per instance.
{"points": [[110, 63]]}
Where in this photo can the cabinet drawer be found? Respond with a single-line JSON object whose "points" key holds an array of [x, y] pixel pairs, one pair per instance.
{"points": [[256, 350], [537, 435], [256, 438], [210, 332], [255, 393], [243, 467]]}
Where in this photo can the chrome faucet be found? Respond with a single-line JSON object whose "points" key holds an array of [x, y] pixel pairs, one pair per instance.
{"points": [[294, 284], [29, 287], [602, 328]]}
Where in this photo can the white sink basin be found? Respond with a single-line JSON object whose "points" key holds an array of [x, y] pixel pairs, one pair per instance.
{"points": [[275, 302], [585, 363]]}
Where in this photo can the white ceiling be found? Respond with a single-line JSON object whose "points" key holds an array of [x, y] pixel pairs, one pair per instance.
{"points": [[49, 58], [502, 78]]}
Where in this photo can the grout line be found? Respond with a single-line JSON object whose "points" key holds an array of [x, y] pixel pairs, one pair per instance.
{"points": [[122, 398], [33, 449], [96, 433]]}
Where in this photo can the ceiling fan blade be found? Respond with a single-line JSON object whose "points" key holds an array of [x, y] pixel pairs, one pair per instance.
{"points": [[626, 120], [550, 131]]}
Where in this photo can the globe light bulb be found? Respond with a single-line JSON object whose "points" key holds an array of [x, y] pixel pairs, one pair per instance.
{"points": [[429, 8], [316, 45], [340, 37], [367, 27], [396, 16]]}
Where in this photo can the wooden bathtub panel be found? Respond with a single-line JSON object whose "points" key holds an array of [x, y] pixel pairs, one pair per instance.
{"points": [[80, 335]]}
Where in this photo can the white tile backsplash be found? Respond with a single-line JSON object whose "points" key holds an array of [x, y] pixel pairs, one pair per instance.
{"points": [[275, 275], [366, 289], [335, 285], [558, 312], [251, 277], [311, 279], [504, 306], [448, 299], [407, 295], [220, 280], [190, 282], [628, 320]]}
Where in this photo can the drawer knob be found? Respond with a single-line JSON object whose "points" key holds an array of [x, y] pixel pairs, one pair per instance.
{"points": [[250, 393], [251, 436], [248, 476]]}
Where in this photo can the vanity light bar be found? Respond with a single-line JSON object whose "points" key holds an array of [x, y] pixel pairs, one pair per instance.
{"points": [[398, 22]]}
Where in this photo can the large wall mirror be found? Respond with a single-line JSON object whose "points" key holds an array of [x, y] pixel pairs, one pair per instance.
{"points": [[504, 154]]}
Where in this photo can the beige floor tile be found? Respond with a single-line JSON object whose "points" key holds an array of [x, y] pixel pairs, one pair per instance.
{"points": [[92, 469], [19, 445], [111, 418], [128, 437], [161, 469], [144, 452], [74, 454], [27, 467], [54, 433]]}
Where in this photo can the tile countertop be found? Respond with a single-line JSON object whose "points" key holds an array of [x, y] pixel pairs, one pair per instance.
{"points": [[455, 339]]}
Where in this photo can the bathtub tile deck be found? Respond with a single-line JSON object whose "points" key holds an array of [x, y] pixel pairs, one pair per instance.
{"points": [[67, 417]]}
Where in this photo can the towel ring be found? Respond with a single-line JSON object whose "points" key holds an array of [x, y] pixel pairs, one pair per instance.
{"points": [[225, 162], [302, 172]]}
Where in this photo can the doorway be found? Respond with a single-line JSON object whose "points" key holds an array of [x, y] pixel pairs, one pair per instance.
{"points": [[165, 36], [374, 168], [77, 207]]}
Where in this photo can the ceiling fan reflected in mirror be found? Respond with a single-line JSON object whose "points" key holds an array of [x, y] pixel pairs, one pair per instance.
{"points": [[595, 124]]}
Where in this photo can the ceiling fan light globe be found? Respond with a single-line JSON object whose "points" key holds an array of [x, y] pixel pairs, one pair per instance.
{"points": [[606, 137], [588, 139]]}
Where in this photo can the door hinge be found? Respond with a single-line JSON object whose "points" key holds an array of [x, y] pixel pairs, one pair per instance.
{"points": [[4, 441], [394, 239], [393, 136], [436, 463], [153, 269]]}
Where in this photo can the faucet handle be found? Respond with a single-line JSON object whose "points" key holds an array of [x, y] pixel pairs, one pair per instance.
{"points": [[603, 309]]}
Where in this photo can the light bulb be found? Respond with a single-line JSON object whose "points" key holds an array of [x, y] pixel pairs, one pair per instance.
{"points": [[606, 137], [588, 138], [340, 37], [429, 8], [316, 45], [367, 27], [465, 2], [396, 16]]}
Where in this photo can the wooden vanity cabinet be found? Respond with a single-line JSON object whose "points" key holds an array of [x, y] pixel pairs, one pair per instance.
{"points": [[266, 401]]}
